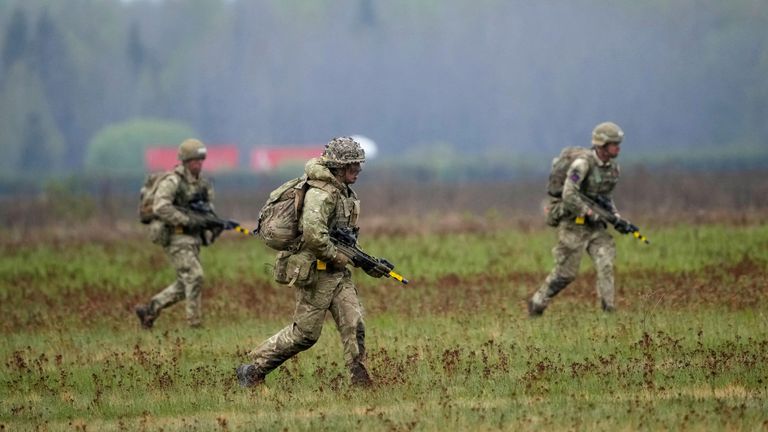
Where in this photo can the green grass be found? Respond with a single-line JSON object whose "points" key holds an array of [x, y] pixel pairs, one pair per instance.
{"points": [[454, 350]]}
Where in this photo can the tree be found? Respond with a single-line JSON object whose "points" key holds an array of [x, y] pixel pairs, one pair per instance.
{"points": [[120, 147], [135, 49], [34, 157], [15, 39], [50, 59]]}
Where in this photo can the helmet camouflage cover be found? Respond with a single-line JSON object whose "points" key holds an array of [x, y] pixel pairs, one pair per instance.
{"points": [[607, 132], [191, 149], [342, 151]]}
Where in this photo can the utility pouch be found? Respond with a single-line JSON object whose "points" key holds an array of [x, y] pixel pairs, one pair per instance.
{"points": [[280, 272], [301, 269], [159, 233]]}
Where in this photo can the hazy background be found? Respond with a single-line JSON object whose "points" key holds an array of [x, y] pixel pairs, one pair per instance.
{"points": [[449, 89]]}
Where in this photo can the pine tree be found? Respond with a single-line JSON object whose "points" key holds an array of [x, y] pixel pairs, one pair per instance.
{"points": [[16, 39]]}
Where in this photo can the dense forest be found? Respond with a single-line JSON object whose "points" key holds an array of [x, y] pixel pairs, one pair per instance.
{"points": [[500, 79]]}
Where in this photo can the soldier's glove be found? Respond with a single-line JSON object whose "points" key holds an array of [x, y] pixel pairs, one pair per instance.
{"points": [[216, 231], [211, 234], [625, 227], [339, 261], [196, 222], [380, 270]]}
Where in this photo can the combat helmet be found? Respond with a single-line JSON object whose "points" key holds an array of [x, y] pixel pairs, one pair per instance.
{"points": [[342, 151], [191, 149], [607, 132]]}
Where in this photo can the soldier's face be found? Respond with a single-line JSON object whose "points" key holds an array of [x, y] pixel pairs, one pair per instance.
{"points": [[194, 166], [351, 172], [612, 150]]}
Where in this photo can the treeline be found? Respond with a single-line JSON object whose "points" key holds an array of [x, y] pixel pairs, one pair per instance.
{"points": [[431, 81]]}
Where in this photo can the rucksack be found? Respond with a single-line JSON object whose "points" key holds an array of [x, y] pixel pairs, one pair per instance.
{"points": [[278, 223], [147, 195], [560, 166]]}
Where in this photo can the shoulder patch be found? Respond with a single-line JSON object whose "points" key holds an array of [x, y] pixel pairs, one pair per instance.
{"points": [[575, 177]]}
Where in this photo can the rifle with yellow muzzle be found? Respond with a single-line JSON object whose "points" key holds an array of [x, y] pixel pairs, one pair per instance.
{"points": [[602, 208], [345, 240]]}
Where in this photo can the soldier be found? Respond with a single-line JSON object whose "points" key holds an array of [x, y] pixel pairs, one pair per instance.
{"points": [[578, 228], [323, 281], [180, 233]]}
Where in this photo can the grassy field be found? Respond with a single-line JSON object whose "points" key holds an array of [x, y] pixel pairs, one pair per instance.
{"points": [[455, 350]]}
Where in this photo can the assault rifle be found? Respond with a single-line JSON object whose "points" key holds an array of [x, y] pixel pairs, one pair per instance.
{"points": [[345, 240], [201, 207], [604, 209]]}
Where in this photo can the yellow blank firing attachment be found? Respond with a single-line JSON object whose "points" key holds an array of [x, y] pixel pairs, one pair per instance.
{"points": [[579, 220], [243, 230], [639, 236], [398, 277]]}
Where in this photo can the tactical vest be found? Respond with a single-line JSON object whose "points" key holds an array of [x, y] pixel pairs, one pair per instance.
{"points": [[187, 192], [347, 207], [600, 180]]}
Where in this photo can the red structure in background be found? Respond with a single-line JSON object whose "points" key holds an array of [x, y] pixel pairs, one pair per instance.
{"points": [[219, 158], [269, 158]]}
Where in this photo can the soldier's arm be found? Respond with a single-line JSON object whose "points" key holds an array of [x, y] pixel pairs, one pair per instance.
{"points": [[576, 174], [612, 204], [163, 206], [209, 194], [610, 195], [318, 209]]}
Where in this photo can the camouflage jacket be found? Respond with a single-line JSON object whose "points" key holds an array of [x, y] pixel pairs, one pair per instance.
{"points": [[175, 192], [328, 204], [591, 176]]}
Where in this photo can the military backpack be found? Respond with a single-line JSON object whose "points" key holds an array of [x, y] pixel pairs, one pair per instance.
{"points": [[278, 223], [560, 166], [147, 195]]}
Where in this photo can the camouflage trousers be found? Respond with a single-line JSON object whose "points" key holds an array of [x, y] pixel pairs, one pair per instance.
{"points": [[185, 257], [334, 292], [573, 240]]}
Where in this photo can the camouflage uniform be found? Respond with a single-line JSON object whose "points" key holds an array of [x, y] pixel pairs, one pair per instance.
{"points": [[593, 177], [181, 243], [320, 285]]}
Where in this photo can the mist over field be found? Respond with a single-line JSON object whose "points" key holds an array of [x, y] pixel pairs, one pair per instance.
{"points": [[449, 83]]}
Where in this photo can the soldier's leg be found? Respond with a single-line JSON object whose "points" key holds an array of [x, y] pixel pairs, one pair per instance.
{"points": [[602, 250], [311, 305], [189, 279], [348, 312], [189, 272], [172, 294], [567, 254]]}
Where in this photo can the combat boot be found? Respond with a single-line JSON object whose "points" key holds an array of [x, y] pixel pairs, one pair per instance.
{"points": [[535, 310], [360, 376], [249, 375], [147, 315], [606, 307]]}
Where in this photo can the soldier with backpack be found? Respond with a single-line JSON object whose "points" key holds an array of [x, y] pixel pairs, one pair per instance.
{"points": [[322, 201], [165, 197], [593, 173]]}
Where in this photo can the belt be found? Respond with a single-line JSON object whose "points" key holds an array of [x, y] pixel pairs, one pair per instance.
{"points": [[181, 229]]}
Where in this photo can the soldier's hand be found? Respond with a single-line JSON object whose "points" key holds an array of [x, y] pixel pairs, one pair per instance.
{"points": [[196, 222], [625, 227], [213, 233], [377, 271], [382, 269], [592, 217], [340, 260]]}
